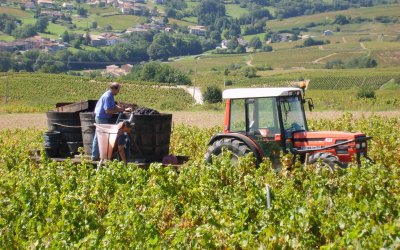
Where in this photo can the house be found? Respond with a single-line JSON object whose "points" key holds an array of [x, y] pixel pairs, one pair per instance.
{"points": [[112, 39], [169, 30], [30, 6], [197, 30], [68, 6], [328, 33], [243, 42], [285, 37], [51, 13], [126, 68], [118, 71], [46, 4], [98, 40]]}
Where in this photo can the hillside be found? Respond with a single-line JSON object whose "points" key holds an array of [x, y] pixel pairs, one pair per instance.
{"points": [[27, 92]]}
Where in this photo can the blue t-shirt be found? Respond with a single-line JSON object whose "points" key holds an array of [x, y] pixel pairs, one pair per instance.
{"points": [[105, 102]]}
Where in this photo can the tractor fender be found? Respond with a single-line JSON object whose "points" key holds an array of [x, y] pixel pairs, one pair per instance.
{"points": [[257, 152]]}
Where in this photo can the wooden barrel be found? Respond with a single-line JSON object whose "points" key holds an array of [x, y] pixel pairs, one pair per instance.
{"points": [[151, 136], [69, 125], [52, 141], [88, 130]]}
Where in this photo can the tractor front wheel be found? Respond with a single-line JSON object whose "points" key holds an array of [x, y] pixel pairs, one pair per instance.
{"points": [[321, 160], [237, 147]]}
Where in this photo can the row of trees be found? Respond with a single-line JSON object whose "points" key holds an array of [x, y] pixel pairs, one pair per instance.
{"points": [[141, 47]]}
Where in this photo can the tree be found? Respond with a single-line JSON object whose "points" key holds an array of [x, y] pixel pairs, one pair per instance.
{"points": [[255, 42], [82, 11], [94, 25], [24, 31], [65, 37], [233, 43], [213, 94], [208, 11], [161, 47], [341, 20], [41, 24]]}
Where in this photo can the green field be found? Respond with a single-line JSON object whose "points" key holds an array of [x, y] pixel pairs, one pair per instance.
{"points": [[6, 38], [384, 10], [235, 11], [15, 12], [120, 22], [46, 90]]}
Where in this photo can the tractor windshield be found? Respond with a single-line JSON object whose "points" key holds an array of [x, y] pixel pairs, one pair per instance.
{"points": [[292, 115]]}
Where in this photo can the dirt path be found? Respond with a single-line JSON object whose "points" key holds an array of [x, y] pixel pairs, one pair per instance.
{"points": [[362, 45], [202, 119], [322, 58], [344, 40], [195, 92]]}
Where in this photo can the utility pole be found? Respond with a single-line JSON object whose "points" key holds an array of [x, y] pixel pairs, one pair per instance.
{"points": [[196, 58], [6, 90]]}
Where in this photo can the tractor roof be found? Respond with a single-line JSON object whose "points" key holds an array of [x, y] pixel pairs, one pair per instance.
{"points": [[258, 92]]}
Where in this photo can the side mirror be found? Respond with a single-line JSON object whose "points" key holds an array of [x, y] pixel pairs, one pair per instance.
{"points": [[310, 104]]}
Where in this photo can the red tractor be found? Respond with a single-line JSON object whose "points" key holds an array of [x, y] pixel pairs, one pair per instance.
{"points": [[267, 121]]}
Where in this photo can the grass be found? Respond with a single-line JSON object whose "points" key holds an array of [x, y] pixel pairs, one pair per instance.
{"points": [[235, 11], [191, 19], [6, 38], [372, 12], [119, 22], [208, 62], [15, 12], [55, 29], [179, 22]]}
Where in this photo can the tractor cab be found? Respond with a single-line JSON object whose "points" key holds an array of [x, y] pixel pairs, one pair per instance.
{"points": [[265, 114], [268, 121]]}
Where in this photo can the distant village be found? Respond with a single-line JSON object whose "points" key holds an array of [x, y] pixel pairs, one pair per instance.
{"points": [[57, 10]]}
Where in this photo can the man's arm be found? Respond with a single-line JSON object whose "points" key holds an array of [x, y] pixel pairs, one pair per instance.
{"points": [[114, 110]]}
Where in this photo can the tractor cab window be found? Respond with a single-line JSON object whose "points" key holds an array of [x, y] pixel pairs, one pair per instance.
{"points": [[238, 115], [262, 117], [292, 115]]}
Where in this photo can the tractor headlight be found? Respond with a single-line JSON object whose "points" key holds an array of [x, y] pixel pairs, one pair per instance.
{"points": [[358, 146], [363, 145]]}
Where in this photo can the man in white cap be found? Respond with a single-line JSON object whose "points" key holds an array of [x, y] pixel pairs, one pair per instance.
{"points": [[104, 110]]}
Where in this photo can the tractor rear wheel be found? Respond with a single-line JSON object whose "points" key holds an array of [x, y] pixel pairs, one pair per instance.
{"points": [[321, 160], [237, 147]]}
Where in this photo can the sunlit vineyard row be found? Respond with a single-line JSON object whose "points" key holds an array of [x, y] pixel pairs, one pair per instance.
{"points": [[28, 92], [61, 205]]}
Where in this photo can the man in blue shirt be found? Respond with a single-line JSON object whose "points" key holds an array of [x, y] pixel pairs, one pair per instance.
{"points": [[104, 110]]}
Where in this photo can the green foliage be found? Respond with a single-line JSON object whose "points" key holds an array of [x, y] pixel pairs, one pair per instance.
{"points": [[24, 31], [158, 72], [256, 42], [212, 94], [312, 42], [62, 205], [249, 72], [362, 62], [366, 93]]}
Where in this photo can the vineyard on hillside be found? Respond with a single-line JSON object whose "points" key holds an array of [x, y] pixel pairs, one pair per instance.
{"points": [[28, 92], [62, 205]]}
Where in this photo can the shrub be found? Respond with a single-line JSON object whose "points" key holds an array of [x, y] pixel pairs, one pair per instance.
{"points": [[249, 72], [366, 94], [213, 94], [266, 48]]}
